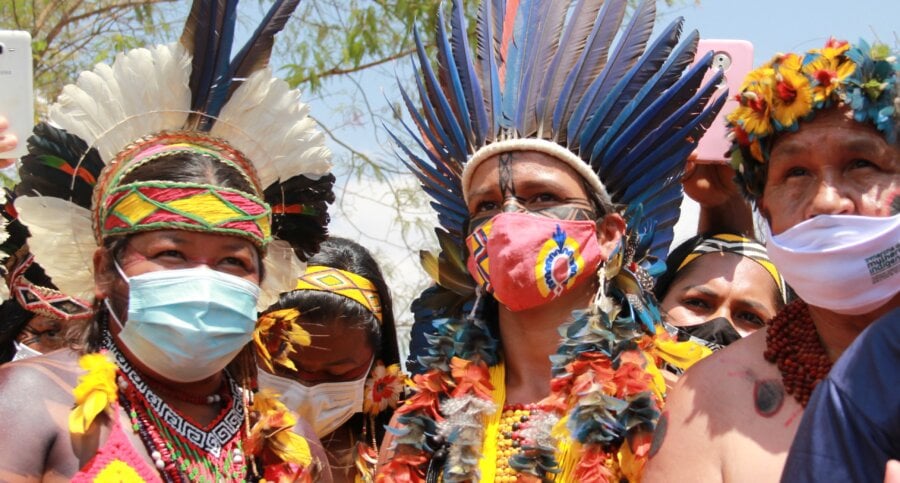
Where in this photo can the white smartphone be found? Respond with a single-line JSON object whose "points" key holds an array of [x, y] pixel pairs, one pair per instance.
{"points": [[16, 87], [735, 58]]}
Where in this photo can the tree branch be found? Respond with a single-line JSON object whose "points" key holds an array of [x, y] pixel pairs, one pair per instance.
{"points": [[335, 71]]}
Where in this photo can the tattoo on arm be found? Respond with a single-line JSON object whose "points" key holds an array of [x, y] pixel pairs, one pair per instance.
{"points": [[659, 434], [768, 396]]}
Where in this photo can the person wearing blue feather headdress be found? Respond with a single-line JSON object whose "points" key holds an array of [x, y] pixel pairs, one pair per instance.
{"points": [[553, 156], [815, 148]]}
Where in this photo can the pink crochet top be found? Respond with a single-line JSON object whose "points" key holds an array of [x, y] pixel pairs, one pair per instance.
{"points": [[117, 461]]}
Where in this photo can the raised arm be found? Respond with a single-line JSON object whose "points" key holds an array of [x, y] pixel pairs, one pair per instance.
{"points": [[722, 206]]}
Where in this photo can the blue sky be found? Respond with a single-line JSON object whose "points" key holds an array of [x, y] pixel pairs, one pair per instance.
{"points": [[366, 209], [789, 25]]}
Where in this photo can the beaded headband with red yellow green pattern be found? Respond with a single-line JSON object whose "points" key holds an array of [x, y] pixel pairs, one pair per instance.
{"points": [[154, 205], [344, 283], [158, 205]]}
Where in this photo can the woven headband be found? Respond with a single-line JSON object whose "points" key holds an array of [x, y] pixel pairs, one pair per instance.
{"points": [[44, 300], [355, 287], [157, 205], [745, 247], [169, 143]]}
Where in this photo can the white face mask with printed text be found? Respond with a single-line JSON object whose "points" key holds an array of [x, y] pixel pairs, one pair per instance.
{"points": [[847, 264]]}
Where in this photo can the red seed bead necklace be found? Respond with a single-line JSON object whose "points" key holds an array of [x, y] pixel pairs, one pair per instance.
{"points": [[793, 344]]}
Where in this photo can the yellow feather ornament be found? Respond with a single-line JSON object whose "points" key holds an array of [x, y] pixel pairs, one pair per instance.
{"points": [[95, 391]]}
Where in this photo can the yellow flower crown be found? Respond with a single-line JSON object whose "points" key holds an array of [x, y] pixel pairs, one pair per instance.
{"points": [[791, 87]]}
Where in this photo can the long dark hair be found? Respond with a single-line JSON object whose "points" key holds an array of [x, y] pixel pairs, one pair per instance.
{"points": [[329, 308]]}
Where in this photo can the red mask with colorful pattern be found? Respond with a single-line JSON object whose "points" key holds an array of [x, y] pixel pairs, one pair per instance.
{"points": [[527, 260]]}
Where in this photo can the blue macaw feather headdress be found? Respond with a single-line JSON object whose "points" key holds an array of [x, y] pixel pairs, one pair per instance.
{"points": [[546, 76]]}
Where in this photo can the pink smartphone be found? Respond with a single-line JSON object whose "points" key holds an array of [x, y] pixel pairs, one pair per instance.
{"points": [[735, 58]]}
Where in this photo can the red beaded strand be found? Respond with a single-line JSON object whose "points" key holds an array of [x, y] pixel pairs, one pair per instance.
{"points": [[793, 344]]}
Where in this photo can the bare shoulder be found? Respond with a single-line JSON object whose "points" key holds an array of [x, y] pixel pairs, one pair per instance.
{"points": [[712, 400], [714, 380], [48, 377], [35, 399]]}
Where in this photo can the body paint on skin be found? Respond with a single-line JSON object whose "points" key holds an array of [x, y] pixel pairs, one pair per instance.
{"points": [[768, 397], [571, 209], [507, 185]]}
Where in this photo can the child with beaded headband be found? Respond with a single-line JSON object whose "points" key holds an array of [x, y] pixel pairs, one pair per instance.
{"points": [[329, 347], [815, 148], [531, 144], [174, 190]]}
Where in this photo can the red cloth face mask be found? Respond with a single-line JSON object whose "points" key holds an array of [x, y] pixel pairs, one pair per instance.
{"points": [[527, 260]]}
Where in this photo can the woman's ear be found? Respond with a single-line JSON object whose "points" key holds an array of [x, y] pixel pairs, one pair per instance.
{"points": [[103, 275], [609, 232]]}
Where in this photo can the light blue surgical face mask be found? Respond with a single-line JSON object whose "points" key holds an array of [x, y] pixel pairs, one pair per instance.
{"points": [[187, 324]]}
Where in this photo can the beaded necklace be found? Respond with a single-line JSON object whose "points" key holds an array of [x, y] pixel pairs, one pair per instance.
{"points": [[512, 437], [793, 344], [180, 450], [512, 432], [221, 394]]}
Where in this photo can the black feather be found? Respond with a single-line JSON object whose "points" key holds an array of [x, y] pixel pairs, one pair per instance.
{"points": [[300, 212], [59, 164]]}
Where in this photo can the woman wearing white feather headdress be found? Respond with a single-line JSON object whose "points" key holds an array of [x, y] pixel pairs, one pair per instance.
{"points": [[182, 200], [553, 157]]}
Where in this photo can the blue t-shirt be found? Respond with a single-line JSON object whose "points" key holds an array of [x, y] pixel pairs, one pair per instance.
{"points": [[851, 427]]}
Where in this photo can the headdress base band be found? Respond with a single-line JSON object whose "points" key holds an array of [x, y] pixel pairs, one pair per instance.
{"points": [[44, 300], [544, 146], [344, 283]]}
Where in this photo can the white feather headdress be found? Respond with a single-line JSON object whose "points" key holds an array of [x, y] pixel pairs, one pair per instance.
{"points": [[186, 88]]}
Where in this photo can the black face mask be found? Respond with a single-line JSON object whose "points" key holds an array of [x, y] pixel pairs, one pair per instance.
{"points": [[718, 330]]}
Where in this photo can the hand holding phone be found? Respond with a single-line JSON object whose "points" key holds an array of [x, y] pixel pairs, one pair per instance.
{"points": [[735, 58], [16, 89]]}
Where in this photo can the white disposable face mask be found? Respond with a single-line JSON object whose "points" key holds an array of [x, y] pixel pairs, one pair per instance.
{"points": [[23, 352], [844, 263], [324, 406]]}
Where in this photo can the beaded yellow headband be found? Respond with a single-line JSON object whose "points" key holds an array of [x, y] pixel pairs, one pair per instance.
{"points": [[341, 282], [155, 205]]}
